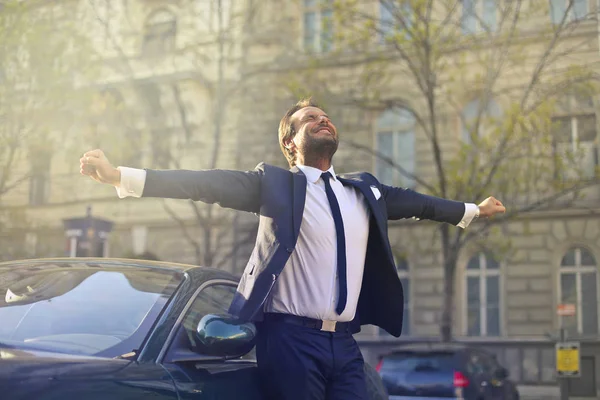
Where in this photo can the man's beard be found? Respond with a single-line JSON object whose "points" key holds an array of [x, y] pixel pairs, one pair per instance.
{"points": [[319, 148]]}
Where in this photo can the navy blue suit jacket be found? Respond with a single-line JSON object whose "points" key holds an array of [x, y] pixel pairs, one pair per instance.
{"points": [[277, 196]]}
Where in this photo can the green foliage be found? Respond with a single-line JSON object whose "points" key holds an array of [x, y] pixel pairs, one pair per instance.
{"points": [[509, 151], [39, 50], [491, 88]]}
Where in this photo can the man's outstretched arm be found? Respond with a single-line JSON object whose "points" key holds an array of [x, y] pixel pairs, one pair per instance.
{"points": [[232, 189], [406, 203]]}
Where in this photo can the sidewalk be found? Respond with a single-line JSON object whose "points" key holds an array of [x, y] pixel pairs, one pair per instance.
{"points": [[538, 392], [544, 393]]}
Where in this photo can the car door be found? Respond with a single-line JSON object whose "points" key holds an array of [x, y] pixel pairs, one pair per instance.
{"points": [[52, 376], [130, 381], [207, 377]]}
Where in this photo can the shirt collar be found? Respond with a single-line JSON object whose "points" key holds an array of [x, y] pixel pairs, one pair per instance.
{"points": [[313, 174]]}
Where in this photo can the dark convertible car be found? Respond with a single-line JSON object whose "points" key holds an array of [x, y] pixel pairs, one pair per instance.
{"points": [[124, 329]]}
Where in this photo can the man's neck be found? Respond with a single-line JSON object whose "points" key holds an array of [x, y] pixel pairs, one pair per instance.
{"points": [[320, 164]]}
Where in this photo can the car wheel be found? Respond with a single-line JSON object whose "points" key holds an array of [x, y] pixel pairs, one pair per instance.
{"points": [[375, 388]]}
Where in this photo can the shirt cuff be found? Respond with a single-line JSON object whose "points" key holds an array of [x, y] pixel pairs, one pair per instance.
{"points": [[132, 182], [471, 210]]}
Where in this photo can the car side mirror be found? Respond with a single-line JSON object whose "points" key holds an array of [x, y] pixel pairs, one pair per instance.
{"points": [[224, 336], [501, 373]]}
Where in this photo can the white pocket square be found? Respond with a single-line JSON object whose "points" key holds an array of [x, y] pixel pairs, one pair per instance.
{"points": [[376, 192]]}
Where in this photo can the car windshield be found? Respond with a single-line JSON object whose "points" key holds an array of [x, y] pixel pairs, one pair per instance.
{"points": [[79, 308]]}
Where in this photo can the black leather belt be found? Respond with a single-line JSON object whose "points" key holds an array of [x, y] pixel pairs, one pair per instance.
{"points": [[322, 325]]}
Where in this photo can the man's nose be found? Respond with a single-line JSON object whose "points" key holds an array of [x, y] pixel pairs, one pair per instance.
{"points": [[323, 119]]}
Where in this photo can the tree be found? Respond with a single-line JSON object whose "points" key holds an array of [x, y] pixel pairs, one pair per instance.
{"points": [[501, 68], [38, 49], [213, 60]]}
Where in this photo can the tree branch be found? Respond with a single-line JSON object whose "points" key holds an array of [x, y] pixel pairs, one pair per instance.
{"points": [[248, 236], [186, 234], [391, 162], [530, 207]]}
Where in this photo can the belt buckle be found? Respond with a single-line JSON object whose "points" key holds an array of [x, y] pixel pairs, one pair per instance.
{"points": [[328, 326]]}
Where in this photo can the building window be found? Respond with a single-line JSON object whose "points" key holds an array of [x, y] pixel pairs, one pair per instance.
{"points": [[394, 18], [558, 8], [478, 119], [479, 16], [403, 270], [482, 280], [574, 135], [160, 32], [31, 244], [39, 180], [215, 10], [318, 25], [152, 103], [579, 286], [396, 141], [109, 114], [161, 148]]}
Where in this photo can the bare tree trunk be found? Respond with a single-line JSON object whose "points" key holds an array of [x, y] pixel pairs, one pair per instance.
{"points": [[207, 231], [449, 255], [207, 227]]}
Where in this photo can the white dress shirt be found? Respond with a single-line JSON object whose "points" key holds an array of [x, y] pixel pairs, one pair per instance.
{"points": [[308, 284]]}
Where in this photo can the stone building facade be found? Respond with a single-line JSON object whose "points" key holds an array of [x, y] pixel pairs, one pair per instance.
{"points": [[170, 57]]}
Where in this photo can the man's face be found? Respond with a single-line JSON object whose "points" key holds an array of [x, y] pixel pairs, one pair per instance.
{"points": [[316, 135]]}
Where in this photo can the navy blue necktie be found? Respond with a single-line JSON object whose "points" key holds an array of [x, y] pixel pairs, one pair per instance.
{"points": [[341, 243]]}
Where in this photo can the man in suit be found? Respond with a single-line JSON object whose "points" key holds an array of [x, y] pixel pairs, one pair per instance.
{"points": [[322, 265]]}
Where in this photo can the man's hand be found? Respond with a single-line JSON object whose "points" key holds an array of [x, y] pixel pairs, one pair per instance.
{"points": [[95, 165], [490, 207]]}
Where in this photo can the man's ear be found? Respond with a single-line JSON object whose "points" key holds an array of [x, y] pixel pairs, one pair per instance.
{"points": [[289, 144]]}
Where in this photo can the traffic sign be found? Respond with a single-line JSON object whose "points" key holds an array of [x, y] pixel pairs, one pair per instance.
{"points": [[568, 360], [565, 310]]}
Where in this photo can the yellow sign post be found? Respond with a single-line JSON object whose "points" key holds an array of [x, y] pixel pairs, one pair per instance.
{"points": [[568, 360]]}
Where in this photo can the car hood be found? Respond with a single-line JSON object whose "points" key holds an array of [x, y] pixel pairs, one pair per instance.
{"points": [[32, 364]]}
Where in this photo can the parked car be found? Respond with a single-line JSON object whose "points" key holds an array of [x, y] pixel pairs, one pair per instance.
{"points": [[444, 371], [125, 329]]}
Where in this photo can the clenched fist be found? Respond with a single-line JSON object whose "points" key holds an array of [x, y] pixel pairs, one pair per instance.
{"points": [[95, 165], [490, 207]]}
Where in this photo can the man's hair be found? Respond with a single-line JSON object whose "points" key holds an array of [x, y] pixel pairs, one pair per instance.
{"points": [[287, 131]]}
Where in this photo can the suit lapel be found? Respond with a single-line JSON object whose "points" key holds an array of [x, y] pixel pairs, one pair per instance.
{"points": [[376, 213], [299, 199], [368, 194]]}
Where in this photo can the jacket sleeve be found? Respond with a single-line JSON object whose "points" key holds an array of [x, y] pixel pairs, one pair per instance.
{"points": [[405, 203], [239, 190]]}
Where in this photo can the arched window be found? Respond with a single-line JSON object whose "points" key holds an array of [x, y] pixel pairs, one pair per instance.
{"points": [[109, 118], [574, 132], [479, 16], [396, 140], [578, 285], [477, 118], [160, 31], [558, 8], [39, 179], [394, 18], [482, 282], [318, 26]]}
